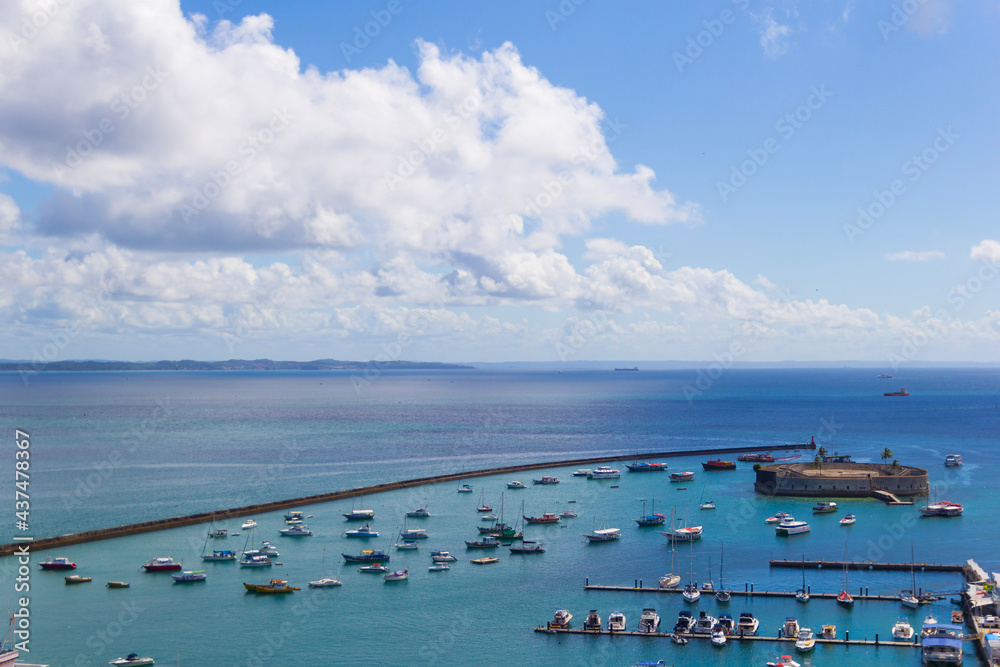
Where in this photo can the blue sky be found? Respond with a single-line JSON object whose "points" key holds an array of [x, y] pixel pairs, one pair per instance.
{"points": [[500, 181]]}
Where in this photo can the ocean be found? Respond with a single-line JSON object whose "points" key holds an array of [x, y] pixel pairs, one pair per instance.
{"points": [[113, 448]]}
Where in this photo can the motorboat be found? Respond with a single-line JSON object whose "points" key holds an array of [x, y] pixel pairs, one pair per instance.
{"points": [[593, 621], [420, 512], [928, 627], [488, 517], [485, 543], [516, 485], [953, 460], [646, 466], [708, 587], [848, 520], [783, 661], [77, 579], [567, 514], [718, 637], [804, 640], [414, 534], [298, 530], [829, 632], [220, 556], [747, 625], [790, 628], [546, 479], [941, 644], [398, 575], [268, 549], [248, 524], [561, 618], [488, 560], [777, 518], [527, 547], [406, 545], [132, 660], [273, 587], [685, 623], [718, 464], [442, 557], [164, 564], [649, 622], [189, 576], [325, 582], [293, 515], [604, 472], [582, 472], [111, 584], [679, 639], [681, 476], [825, 507], [360, 515], [789, 526], [364, 531], [902, 630], [725, 622], [57, 563], [367, 556], [374, 568], [616, 621], [547, 517], [941, 508], [439, 567], [704, 624]]}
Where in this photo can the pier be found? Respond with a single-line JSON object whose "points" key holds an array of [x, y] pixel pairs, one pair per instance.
{"points": [[749, 592], [756, 638], [59, 541], [865, 565]]}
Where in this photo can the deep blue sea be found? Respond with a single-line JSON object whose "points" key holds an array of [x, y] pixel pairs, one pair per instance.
{"points": [[113, 448]]}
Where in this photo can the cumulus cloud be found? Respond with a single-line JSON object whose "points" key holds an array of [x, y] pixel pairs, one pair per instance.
{"points": [[10, 217], [773, 36], [986, 250], [914, 256]]}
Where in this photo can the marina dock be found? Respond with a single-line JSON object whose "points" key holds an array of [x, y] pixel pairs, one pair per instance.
{"points": [[60, 541], [865, 565], [749, 592], [756, 638]]}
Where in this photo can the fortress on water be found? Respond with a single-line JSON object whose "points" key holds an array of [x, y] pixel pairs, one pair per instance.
{"points": [[840, 479]]}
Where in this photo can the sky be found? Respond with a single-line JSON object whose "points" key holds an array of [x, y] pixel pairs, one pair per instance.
{"points": [[730, 181]]}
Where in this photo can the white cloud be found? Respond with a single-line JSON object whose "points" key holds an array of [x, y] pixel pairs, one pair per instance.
{"points": [[773, 36], [10, 217], [915, 256], [986, 250]]}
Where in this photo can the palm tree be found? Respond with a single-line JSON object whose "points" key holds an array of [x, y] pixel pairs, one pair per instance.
{"points": [[895, 465], [886, 455], [821, 451], [817, 463]]}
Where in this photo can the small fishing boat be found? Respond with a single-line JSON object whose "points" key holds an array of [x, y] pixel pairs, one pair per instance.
{"points": [[163, 564], [547, 517], [488, 560], [546, 479], [77, 579], [561, 618], [527, 547], [188, 576], [363, 532], [118, 584], [293, 516], [486, 543], [366, 556], [248, 524], [825, 507], [439, 567], [848, 520], [442, 557], [516, 485], [398, 575], [374, 568], [616, 621], [593, 621], [132, 660], [681, 476], [420, 512], [567, 514], [359, 515], [902, 630], [57, 563], [298, 530], [747, 625], [804, 640], [718, 464], [649, 621], [273, 587]]}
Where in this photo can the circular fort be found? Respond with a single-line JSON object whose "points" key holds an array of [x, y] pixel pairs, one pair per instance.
{"points": [[844, 479]]}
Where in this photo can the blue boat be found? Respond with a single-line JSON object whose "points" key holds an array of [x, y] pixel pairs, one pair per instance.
{"points": [[364, 531]]}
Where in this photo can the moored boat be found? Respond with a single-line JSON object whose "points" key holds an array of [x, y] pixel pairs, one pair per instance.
{"points": [[325, 582], [487, 543], [527, 547], [616, 621], [718, 464], [373, 568], [649, 621], [941, 644], [546, 479], [420, 512], [465, 488], [131, 660], [941, 508], [645, 466], [248, 524], [704, 624], [360, 515], [547, 517], [651, 519], [686, 476], [273, 587], [804, 640], [582, 472], [488, 560], [298, 530], [163, 564], [789, 526], [398, 575], [825, 507], [718, 637], [747, 625], [685, 623], [220, 556], [561, 618], [57, 563], [849, 520], [363, 532], [902, 630], [790, 628], [442, 557], [603, 534], [366, 556], [114, 584], [783, 661], [77, 579], [254, 558], [516, 485], [567, 514], [188, 576]]}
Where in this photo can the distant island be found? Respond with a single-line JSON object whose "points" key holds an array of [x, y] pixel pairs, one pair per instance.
{"points": [[229, 365]]}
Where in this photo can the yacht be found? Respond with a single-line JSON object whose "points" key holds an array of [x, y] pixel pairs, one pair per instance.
{"points": [[718, 637], [364, 531], [132, 660], [254, 558], [164, 564], [789, 526], [465, 488], [593, 621], [57, 563], [649, 621], [442, 557], [685, 623], [373, 568], [325, 582], [783, 661], [691, 593], [902, 630], [616, 621], [705, 623], [248, 524], [791, 627], [419, 512], [516, 485], [804, 641], [669, 580], [406, 545], [359, 515], [941, 644], [438, 567], [953, 460], [583, 472], [189, 576], [267, 549], [604, 472], [747, 625], [726, 623], [398, 575], [298, 530], [849, 520], [222, 556]]}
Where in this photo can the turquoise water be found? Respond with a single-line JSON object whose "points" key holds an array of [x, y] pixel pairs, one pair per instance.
{"points": [[225, 438]]}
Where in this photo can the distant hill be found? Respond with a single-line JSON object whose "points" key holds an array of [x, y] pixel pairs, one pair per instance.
{"points": [[229, 365]]}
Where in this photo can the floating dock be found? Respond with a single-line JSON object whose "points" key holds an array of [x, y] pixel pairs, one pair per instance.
{"points": [[749, 592], [865, 565], [60, 541], [731, 638]]}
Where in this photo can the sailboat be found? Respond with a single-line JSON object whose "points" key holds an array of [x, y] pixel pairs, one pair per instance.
{"points": [[253, 557], [845, 599], [652, 519], [216, 532], [909, 598], [802, 595], [324, 581], [722, 595], [217, 555], [706, 504], [483, 507], [670, 580], [691, 592]]}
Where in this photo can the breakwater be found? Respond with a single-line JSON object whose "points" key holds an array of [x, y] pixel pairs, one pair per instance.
{"points": [[58, 541]]}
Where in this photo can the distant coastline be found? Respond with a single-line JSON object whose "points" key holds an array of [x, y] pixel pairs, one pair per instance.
{"points": [[229, 365]]}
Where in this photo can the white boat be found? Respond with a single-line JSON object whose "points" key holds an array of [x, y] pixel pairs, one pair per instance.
{"points": [[248, 524], [488, 517], [254, 559], [783, 661], [777, 518], [747, 625], [902, 630], [802, 595], [373, 568], [707, 505], [364, 531], [132, 660], [718, 637], [804, 640], [583, 472], [359, 515], [685, 623], [691, 593], [953, 460], [439, 567], [825, 507], [848, 520], [943, 508], [593, 621], [398, 575], [268, 549], [406, 545], [679, 532], [790, 627], [704, 624], [649, 622], [616, 621], [516, 485], [324, 581], [603, 534], [298, 530], [414, 534], [442, 557], [604, 472], [419, 512], [465, 488], [829, 632], [220, 556], [669, 580], [567, 514], [189, 576], [789, 526], [561, 618]]}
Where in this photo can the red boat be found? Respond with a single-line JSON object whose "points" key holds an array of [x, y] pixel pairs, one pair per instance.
{"points": [[718, 464], [548, 517], [59, 563], [902, 392], [162, 565], [758, 458]]}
